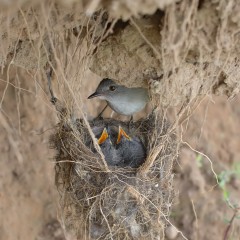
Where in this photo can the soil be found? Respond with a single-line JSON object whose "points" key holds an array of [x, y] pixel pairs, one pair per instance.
{"points": [[185, 50], [201, 212], [29, 200]]}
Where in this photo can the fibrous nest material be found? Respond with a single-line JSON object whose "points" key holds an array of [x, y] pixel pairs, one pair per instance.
{"points": [[105, 201]]}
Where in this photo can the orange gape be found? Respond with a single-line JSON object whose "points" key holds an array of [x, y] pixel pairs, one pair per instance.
{"points": [[103, 137], [121, 133]]}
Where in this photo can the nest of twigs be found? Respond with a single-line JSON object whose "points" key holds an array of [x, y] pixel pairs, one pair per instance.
{"points": [[103, 201]]}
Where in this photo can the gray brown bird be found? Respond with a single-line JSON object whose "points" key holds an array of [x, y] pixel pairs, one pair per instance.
{"points": [[121, 99]]}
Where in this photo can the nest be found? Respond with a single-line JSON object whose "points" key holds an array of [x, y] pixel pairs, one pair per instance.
{"points": [[101, 200]]}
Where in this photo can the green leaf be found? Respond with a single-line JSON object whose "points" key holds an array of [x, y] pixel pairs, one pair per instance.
{"points": [[199, 160], [226, 195]]}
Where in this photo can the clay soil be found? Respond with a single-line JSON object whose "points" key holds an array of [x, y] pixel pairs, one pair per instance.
{"points": [[29, 199]]}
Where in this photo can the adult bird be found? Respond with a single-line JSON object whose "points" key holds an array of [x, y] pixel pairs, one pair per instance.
{"points": [[121, 99]]}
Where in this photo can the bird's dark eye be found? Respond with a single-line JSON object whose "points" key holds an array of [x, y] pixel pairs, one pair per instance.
{"points": [[112, 88]]}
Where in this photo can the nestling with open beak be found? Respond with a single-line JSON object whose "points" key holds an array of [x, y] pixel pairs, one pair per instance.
{"points": [[130, 150], [108, 149], [121, 150]]}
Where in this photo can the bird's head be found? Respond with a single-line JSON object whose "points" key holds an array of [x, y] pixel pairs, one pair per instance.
{"points": [[106, 89]]}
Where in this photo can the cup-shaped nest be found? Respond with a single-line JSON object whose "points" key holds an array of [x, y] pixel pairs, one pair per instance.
{"points": [[115, 188]]}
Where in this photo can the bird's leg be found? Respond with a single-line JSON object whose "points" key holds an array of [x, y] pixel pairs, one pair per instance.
{"points": [[131, 118], [130, 122], [49, 77], [121, 133], [100, 114], [103, 136]]}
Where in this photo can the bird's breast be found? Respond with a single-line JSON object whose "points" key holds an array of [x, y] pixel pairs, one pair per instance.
{"points": [[127, 105]]}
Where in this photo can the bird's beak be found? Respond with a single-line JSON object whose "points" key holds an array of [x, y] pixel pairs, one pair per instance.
{"points": [[122, 133], [96, 94], [103, 137]]}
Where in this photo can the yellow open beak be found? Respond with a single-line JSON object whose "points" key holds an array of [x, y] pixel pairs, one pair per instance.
{"points": [[121, 133], [103, 136]]}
